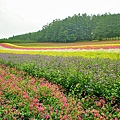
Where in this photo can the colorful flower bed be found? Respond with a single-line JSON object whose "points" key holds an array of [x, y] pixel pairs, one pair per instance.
{"points": [[62, 83], [29, 98], [93, 53], [87, 54], [24, 97], [69, 71], [87, 47]]}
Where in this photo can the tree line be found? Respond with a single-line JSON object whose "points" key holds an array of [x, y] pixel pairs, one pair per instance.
{"points": [[76, 28]]}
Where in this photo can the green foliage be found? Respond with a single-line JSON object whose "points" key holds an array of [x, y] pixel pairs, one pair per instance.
{"points": [[79, 76], [76, 28], [94, 84]]}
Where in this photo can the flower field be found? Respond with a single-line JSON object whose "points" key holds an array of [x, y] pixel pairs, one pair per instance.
{"points": [[79, 47], [67, 84], [24, 97], [111, 51]]}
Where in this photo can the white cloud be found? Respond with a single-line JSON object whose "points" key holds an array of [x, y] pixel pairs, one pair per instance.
{"points": [[13, 25]]}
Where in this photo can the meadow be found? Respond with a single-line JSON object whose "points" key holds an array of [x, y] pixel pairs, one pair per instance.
{"points": [[66, 82]]}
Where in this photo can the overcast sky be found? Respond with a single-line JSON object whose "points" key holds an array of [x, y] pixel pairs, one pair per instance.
{"points": [[24, 16]]}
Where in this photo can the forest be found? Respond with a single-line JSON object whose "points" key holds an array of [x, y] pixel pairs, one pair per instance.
{"points": [[81, 27]]}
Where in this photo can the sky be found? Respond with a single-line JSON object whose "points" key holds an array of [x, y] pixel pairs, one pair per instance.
{"points": [[24, 16]]}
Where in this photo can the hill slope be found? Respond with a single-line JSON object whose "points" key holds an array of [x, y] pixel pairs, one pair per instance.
{"points": [[76, 28]]}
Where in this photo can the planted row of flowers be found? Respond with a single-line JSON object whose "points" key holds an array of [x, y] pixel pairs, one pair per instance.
{"points": [[24, 97], [30, 98], [80, 76], [88, 47], [111, 54]]}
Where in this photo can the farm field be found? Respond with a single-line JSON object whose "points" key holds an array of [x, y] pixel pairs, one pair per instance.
{"points": [[65, 82], [68, 44]]}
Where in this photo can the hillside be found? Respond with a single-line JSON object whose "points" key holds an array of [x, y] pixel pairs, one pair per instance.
{"points": [[76, 28]]}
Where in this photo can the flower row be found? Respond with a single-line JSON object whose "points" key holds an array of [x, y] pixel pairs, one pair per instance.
{"points": [[87, 47], [25, 97]]}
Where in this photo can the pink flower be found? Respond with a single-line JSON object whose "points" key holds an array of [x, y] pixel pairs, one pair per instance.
{"points": [[65, 117], [22, 117], [51, 108], [65, 99], [2, 79], [35, 100], [96, 114], [31, 106], [40, 109], [18, 88], [66, 104], [102, 101], [47, 117], [19, 79], [116, 118], [79, 103], [56, 111], [98, 104], [33, 80]]}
